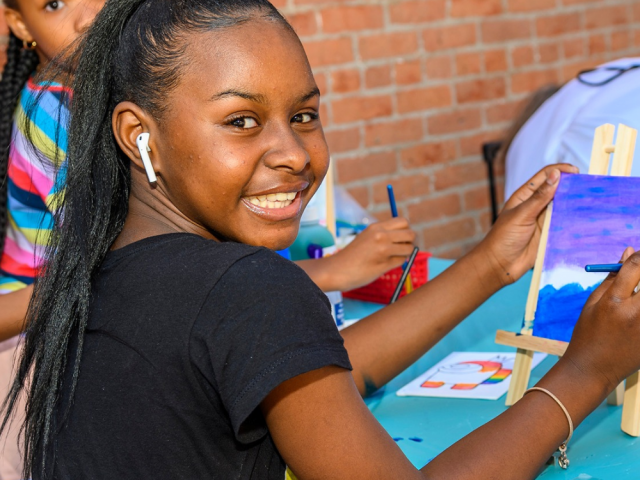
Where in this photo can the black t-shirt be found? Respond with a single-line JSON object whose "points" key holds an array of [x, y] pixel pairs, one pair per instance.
{"points": [[186, 337]]}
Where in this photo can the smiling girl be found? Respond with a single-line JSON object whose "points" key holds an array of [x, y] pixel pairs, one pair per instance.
{"points": [[180, 347], [39, 30]]}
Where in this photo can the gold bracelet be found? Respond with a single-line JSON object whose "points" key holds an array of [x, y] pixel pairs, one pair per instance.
{"points": [[563, 461]]}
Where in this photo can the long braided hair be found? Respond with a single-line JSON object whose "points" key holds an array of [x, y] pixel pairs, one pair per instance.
{"points": [[21, 63], [134, 51]]}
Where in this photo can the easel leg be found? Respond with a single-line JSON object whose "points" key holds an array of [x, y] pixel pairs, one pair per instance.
{"points": [[631, 407], [519, 376], [617, 396]]}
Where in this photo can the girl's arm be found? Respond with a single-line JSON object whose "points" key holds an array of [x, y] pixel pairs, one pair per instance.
{"points": [[385, 343], [13, 309], [323, 430], [379, 248]]}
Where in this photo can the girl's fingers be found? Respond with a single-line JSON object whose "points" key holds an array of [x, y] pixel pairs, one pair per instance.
{"points": [[528, 189], [402, 236], [608, 281], [627, 279], [540, 198]]}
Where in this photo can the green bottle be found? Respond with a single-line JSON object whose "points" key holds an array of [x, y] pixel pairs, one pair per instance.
{"points": [[310, 233]]}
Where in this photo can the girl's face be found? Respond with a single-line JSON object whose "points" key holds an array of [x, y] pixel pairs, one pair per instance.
{"points": [[240, 150], [53, 25]]}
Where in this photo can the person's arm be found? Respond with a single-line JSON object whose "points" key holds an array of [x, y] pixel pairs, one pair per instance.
{"points": [[13, 309], [323, 430], [385, 343], [379, 248]]}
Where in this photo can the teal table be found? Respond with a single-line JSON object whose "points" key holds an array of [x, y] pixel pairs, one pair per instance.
{"points": [[424, 427]]}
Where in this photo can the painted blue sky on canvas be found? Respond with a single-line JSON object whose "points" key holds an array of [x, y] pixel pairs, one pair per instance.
{"points": [[594, 218]]}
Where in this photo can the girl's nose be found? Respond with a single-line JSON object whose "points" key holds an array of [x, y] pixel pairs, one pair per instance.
{"points": [[287, 151]]}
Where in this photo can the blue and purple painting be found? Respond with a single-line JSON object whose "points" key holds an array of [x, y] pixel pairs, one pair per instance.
{"points": [[594, 219]]}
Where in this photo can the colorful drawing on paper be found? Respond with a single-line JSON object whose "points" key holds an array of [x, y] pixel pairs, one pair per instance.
{"points": [[467, 375], [594, 218]]}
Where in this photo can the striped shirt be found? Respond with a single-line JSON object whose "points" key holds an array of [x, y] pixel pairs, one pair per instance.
{"points": [[33, 190]]}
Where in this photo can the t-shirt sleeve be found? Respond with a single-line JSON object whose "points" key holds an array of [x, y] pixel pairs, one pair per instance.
{"points": [[263, 323]]}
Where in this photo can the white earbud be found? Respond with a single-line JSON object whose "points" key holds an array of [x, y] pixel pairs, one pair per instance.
{"points": [[143, 146]]}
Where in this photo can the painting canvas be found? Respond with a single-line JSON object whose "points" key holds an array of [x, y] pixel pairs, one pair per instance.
{"points": [[478, 375], [594, 218]]}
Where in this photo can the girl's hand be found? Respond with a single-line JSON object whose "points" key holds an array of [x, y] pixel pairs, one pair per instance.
{"points": [[379, 248], [606, 338], [511, 245]]}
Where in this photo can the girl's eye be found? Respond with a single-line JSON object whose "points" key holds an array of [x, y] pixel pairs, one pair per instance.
{"points": [[304, 117], [53, 6], [244, 122]]}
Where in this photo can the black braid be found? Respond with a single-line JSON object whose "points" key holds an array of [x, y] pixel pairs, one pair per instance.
{"points": [[21, 63]]}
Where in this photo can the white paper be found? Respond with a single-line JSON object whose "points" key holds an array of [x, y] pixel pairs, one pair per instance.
{"points": [[481, 375]]}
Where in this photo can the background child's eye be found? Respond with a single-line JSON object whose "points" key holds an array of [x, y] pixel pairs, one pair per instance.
{"points": [[304, 117], [53, 6], [244, 122]]}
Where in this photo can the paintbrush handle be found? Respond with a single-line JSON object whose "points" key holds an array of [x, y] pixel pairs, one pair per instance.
{"points": [[405, 273], [603, 268]]}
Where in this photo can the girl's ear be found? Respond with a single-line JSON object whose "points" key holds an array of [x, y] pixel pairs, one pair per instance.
{"points": [[128, 122], [16, 25]]}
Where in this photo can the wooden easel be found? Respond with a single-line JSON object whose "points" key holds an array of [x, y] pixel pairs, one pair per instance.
{"points": [[525, 342]]}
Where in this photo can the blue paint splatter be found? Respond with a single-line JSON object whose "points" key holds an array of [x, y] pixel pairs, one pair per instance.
{"points": [[415, 439], [397, 439], [606, 232], [629, 226]]}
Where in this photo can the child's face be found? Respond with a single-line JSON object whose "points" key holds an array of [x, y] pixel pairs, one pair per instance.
{"points": [[53, 25], [243, 124]]}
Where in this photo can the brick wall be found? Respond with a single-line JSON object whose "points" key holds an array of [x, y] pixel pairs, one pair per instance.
{"points": [[412, 88]]}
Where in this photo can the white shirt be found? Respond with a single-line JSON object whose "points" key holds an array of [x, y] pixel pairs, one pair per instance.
{"points": [[562, 129]]}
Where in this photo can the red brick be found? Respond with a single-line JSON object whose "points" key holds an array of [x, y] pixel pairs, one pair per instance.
{"points": [[329, 52], [345, 80], [472, 145], [457, 121], [607, 16], [352, 18], [636, 38], [424, 98], [419, 11], [521, 56], [475, 8], [408, 72], [428, 154], [340, 141], [548, 53], [378, 76], [495, 31], [438, 67], [636, 11], [468, 63], [531, 81], [452, 231], [620, 40], [495, 61], [597, 44], [449, 37], [553, 25], [388, 45], [367, 166], [575, 2], [434, 208], [361, 108], [573, 47], [404, 188], [570, 70], [502, 112], [479, 90], [452, 253], [279, 3], [530, 5], [460, 174], [303, 23], [397, 131], [477, 198]]}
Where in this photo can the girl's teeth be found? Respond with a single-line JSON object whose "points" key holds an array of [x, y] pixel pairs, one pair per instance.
{"points": [[273, 200]]}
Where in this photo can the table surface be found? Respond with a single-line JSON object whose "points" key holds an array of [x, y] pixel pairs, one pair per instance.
{"points": [[424, 427]]}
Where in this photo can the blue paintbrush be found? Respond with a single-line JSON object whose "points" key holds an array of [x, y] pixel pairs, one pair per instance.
{"points": [[604, 268]]}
